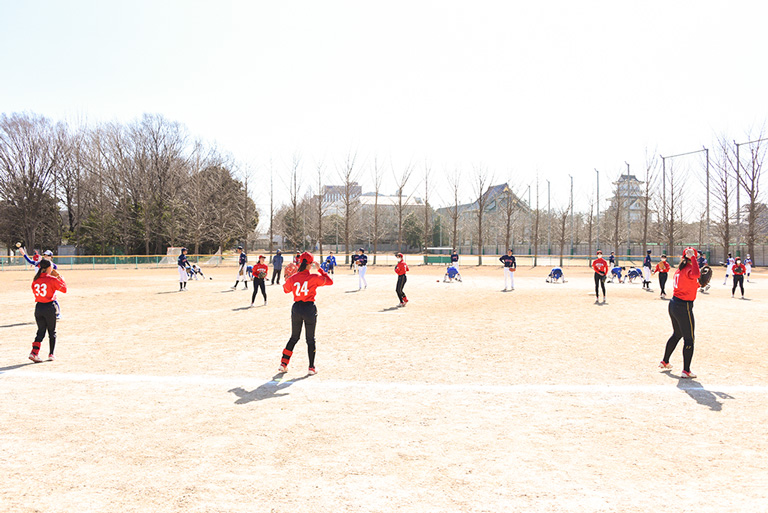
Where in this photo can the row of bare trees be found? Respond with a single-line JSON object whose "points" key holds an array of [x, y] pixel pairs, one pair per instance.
{"points": [[135, 187]]}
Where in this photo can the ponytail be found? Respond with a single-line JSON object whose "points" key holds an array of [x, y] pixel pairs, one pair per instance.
{"points": [[303, 266], [683, 262], [44, 264]]}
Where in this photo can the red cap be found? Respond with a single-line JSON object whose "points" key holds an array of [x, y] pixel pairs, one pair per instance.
{"points": [[261, 256], [399, 255], [307, 256]]}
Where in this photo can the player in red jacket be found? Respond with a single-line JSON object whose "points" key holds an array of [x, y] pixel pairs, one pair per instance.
{"points": [[663, 269], [260, 271], [600, 266], [304, 285], [681, 311], [47, 281], [739, 270], [401, 268]]}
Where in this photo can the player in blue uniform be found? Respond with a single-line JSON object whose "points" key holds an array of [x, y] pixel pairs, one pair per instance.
{"points": [[362, 265], [330, 262], [616, 273], [242, 269], [455, 260], [612, 259], [510, 265], [183, 264], [555, 275], [451, 273], [647, 271]]}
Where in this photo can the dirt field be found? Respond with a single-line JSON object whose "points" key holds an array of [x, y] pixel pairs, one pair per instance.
{"points": [[468, 399]]}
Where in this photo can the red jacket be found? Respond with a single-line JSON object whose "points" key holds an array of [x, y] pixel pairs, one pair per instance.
{"points": [[687, 281], [739, 269], [401, 268], [600, 266], [304, 284], [44, 288], [259, 268], [662, 267]]}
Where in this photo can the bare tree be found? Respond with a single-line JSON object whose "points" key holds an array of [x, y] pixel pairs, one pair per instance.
{"points": [[651, 167], [322, 205], [427, 171], [536, 223], [749, 179], [292, 219], [349, 197], [453, 210], [590, 223], [562, 218], [402, 181], [481, 188], [508, 209], [31, 148], [377, 178]]}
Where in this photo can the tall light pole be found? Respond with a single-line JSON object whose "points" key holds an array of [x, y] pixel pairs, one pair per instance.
{"points": [[530, 228], [629, 248], [598, 209], [738, 202], [738, 188], [664, 186], [707, 153], [549, 222], [571, 176]]}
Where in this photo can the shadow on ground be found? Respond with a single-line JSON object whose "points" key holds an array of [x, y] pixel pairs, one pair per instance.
{"points": [[268, 390], [698, 393]]}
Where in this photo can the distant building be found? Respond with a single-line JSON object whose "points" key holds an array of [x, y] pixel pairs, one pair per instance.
{"points": [[629, 196], [334, 193], [495, 200]]}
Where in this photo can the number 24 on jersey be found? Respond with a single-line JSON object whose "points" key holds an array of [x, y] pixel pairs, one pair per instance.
{"points": [[301, 288]]}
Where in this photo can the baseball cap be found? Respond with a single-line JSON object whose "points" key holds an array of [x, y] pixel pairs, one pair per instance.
{"points": [[48, 252], [262, 256], [239, 247], [307, 256], [399, 255], [695, 253]]}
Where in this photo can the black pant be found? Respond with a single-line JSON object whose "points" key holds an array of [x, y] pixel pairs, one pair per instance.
{"points": [[45, 316], [599, 281], [276, 272], [258, 283], [662, 282], [681, 313], [738, 279], [401, 279], [303, 313]]}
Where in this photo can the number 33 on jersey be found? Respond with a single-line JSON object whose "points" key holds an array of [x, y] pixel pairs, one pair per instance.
{"points": [[304, 285], [44, 288]]}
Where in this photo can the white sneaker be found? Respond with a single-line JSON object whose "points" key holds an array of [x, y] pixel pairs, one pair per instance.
{"points": [[265, 302], [312, 371], [283, 369], [664, 365], [687, 375]]}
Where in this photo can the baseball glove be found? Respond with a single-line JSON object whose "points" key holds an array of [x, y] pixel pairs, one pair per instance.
{"points": [[706, 275], [290, 270], [262, 275]]}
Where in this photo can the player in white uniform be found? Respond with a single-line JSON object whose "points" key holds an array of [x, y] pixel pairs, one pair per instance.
{"points": [[183, 263], [728, 267], [748, 265], [362, 265], [242, 273]]}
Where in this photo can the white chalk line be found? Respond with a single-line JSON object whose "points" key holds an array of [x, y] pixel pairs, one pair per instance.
{"points": [[319, 383]]}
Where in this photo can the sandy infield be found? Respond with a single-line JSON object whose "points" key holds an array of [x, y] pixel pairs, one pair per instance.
{"points": [[469, 399]]}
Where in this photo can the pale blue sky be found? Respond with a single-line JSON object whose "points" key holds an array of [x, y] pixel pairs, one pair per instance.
{"points": [[555, 87]]}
